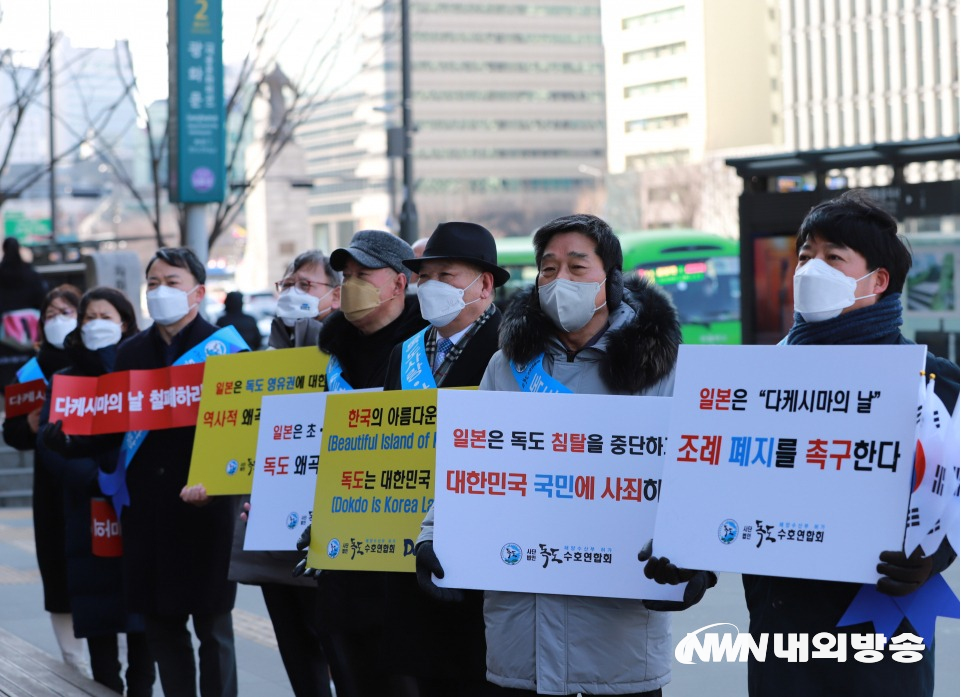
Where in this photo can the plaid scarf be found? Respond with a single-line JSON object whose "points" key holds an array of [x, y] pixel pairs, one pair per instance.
{"points": [[430, 345]]}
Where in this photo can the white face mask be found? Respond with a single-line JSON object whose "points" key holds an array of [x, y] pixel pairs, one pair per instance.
{"points": [[100, 333], [440, 302], [168, 305], [55, 330], [569, 304], [294, 304], [821, 291]]}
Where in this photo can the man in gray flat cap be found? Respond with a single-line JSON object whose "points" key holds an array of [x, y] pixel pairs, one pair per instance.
{"points": [[375, 314]]}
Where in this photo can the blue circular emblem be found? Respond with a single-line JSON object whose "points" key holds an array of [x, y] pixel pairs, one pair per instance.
{"points": [[511, 553], [215, 348], [292, 520], [727, 531], [333, 548], [232, 467]]}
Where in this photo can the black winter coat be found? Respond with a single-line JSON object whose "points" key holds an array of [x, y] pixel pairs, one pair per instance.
{"points": [[364, 356], [95, 584], [48, 520], [21, 287], [795, 605], [245, 325], [353, 601], [262, 567], [433, 639], [468, 370], [175, 554]]}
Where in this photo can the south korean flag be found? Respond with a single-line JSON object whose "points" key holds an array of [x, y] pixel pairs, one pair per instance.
{"points": [[950, 519], [934, 494]]}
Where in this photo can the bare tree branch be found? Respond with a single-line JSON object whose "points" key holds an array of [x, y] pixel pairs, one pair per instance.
{"points": [[25, 94], [316, 83], [310, 90], [29, 93]]}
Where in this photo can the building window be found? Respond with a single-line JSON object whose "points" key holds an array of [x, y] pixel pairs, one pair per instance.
{"points": [[656, 123], [663, 158], [655, 87], [345, 230], [479, 66], [451, 37], [321, 234], [670, 14], [506, 9], [505, 95], [510, 125], [646, 54], [510, 153]]}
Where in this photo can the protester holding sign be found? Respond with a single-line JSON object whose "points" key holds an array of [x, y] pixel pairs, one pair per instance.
{"points": [[443, 643], [581, 329], [847, 291], [58, 317], [375, 314], [309, 291], [175, 554], [93, 542]]}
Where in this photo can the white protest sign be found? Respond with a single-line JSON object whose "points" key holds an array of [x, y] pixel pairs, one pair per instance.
{"points": [[548, 493], [789, 460], [285, 473]]}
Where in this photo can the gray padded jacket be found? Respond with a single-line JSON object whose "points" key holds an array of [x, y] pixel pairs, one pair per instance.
{"points": [[559, 644]]}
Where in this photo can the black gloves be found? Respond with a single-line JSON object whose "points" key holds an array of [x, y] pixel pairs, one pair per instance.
{"points": [[661, 570], [427, 564], [303, 542], [902, 574], [302, 569], [53, 437]]}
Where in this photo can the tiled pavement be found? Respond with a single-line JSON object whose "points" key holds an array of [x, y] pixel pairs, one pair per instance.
{"points": [[260, 670]]}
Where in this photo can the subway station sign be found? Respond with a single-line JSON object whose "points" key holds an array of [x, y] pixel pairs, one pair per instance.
{"points": [[196, 101]]}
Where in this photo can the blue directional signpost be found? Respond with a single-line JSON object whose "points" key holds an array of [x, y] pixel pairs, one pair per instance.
{"points": [[196, 101]]}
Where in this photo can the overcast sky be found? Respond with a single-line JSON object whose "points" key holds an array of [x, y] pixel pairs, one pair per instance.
{"points": [[98, 23]]}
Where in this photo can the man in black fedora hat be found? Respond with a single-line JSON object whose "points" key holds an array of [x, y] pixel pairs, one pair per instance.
{"points": [[440, 645], [455, 287]]}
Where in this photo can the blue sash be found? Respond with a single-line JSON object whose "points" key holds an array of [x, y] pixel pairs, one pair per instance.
{"points": [[31, 371], [222, 342], [533, 378], [415, 372], [335, 376]]}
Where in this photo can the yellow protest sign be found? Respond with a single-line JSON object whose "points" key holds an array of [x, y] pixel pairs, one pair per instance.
{"points": [[375, 481], [225, 446]]}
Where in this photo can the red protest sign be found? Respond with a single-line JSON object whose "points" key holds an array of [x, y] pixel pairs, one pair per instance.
{"points": [[165, 398], [133, 400], [69, 398], [20, 399], [104, 529]]}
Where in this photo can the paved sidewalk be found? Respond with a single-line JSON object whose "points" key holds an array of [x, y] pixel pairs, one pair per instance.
{"points": [[261, 672], [259, 668]]}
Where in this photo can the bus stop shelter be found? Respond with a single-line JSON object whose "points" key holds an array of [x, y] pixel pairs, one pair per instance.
{"points": [[916, 181]]}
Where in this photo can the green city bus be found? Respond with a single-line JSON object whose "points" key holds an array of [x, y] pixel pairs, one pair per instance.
{"points": [[700, 270]]}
